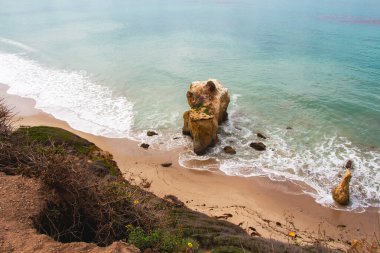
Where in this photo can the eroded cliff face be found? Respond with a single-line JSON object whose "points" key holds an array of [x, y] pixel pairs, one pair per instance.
{"points": [[208, 101]]}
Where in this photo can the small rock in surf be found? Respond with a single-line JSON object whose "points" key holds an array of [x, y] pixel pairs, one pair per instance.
{"points": [[258, 146]]}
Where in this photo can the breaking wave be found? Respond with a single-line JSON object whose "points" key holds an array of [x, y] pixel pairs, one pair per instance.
{"points": [[68, 95]]}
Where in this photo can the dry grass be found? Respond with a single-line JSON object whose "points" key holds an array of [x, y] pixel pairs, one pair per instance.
{"points": [[84, 206], [87, 199], [6, 121]]}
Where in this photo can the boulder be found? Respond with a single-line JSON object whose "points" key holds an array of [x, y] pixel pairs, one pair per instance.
{"points": [[258, 146], [145, 145], [208, 101], [260, 135], [151, 133], [229, 150], [349, 164], [341, 193]]}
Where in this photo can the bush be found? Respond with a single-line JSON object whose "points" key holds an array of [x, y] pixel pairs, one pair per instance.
{"points": [[6, 117], [90, 208], [87, 198], [159, 241]]}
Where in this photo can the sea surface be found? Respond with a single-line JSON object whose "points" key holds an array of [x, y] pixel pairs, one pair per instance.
{"points": [[117, 68]]}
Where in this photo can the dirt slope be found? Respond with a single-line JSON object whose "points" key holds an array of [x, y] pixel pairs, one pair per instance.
{"points": [[19, 201]]}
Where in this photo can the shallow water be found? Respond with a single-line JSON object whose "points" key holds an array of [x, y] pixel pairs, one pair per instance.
{"points": [[118, 68]]}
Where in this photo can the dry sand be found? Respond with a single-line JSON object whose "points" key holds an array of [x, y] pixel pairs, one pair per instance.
{"points": [[272, 208]]}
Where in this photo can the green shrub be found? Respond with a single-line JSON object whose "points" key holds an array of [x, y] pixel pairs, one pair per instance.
{"points": [[47, 135], [158, 240]]}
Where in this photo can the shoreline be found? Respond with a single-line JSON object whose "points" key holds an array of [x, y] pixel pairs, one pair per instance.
{"points": [[256, 202]]}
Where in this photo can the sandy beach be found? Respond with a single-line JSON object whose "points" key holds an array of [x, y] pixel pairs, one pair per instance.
{"points": [[272, 208]]}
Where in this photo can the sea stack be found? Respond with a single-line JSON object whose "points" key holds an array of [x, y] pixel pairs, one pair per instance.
{"points": [[208, 101], [341, 193]]}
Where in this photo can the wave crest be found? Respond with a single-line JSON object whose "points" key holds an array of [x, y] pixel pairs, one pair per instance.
{"points": [[68, 95]]}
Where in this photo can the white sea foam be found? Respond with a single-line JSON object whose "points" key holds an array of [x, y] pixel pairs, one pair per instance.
{"points": [[17, 44], [319, 165], [68, 95]]}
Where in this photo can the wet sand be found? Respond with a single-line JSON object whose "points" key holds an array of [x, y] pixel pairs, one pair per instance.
{"points": [[272, 208]]}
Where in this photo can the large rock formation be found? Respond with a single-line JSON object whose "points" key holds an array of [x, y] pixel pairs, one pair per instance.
{"points": [[341, 193], [208, 101]]}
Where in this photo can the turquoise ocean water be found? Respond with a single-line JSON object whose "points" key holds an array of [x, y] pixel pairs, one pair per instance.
{"points": [[117, 68]]}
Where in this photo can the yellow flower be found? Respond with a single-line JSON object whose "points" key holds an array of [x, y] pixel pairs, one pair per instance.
{"points": [[189, 244], [292, 234], [135, 202], [129, 226]]}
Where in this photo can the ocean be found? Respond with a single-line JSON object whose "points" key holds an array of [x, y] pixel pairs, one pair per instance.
{"points": [[121, 67]]}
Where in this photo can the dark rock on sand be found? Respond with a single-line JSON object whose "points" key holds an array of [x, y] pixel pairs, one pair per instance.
{"points": [[145, 145], [229, 150], [255, 233], [258, 146], [151, 133], [260, 135], [289, 128], [166, 164], [224, 216]]}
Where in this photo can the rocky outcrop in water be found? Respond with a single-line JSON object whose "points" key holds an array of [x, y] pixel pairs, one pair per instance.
{"points": [[341, 193], [260, 135], [348, 164], [208, 101], [151, 133]]}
